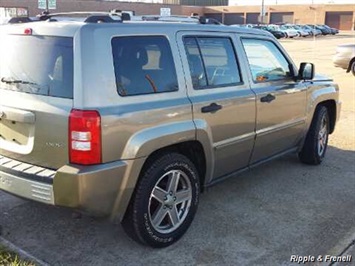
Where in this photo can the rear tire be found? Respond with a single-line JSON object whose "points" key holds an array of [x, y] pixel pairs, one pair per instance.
{"points": [[165, 201], [316, 142]]}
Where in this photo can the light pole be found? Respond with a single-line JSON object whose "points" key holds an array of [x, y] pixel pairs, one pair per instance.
{"points": [[262, 11]]}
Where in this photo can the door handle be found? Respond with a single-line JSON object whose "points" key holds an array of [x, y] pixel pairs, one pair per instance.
{"points": [[212, 108], [268, 98]]}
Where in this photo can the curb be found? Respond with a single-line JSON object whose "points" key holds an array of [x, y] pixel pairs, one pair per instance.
{"points": [[22, 254], [350, 251]]}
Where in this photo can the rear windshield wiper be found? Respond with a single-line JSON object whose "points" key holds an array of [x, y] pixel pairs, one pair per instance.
{"points": [[17, 81], [24, 85]]}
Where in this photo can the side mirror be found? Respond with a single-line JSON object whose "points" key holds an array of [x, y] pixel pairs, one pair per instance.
{"points": [[306, 71]]}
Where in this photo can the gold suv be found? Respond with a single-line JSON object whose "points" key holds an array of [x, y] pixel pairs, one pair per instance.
{"points": [[134, 119]]}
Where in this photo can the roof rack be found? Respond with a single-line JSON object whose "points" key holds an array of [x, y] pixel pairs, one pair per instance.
{"points": [[115, 16], [167, 18], [175, 18], [87, 16]]}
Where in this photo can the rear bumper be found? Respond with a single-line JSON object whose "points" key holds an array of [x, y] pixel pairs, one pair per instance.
{"points": [[93, 189], [26, 180], [26, 188]]}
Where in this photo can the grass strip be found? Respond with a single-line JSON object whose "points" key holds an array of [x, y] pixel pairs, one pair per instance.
{"points": [[9, 258]]}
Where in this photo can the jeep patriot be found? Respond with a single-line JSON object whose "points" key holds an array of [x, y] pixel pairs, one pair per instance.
{"points": [[134, 119]]}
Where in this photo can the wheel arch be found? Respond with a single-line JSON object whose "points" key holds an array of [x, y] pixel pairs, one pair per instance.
{"points": [[332, 112], [327, 94], [193, 150]]}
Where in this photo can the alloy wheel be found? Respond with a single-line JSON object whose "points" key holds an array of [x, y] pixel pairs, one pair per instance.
{"points": [[170, 201], [323, 136]]}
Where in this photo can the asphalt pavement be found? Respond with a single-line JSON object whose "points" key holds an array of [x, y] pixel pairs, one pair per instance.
{"points": [[262, 217]]}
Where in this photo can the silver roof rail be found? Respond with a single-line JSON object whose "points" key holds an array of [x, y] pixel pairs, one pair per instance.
{"points": [[176, 18], [87, 16]]}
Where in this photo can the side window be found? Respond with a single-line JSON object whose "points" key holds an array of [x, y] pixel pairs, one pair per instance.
{"points": [[143, 65], [266, 61], [194, 58], [212, 61]]}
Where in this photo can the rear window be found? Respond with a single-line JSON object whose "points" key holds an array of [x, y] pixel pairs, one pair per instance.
{"points": [[37, 65], [143, 65]]}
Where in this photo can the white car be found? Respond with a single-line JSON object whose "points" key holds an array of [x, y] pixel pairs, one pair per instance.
{"points": [[345, 57], [290, 33], [300, 31]]}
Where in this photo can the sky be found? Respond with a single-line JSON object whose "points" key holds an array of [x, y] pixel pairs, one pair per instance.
{"points": [[285, 2]]}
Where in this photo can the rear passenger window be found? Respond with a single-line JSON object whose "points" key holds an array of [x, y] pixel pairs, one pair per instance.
{"points": [[143, 65], [212, 62]]}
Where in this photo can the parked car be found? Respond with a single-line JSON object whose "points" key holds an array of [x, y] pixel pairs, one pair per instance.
{"points": [[324, 30], [249, 25], [333, 31], [290, 33], [345, 57], [14, 20], [236, 25], [301, 32], [278, 34], [134, 119], [312, 30]]}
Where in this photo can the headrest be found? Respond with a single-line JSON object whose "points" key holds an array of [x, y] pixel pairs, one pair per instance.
{"points": [[139, 55]]}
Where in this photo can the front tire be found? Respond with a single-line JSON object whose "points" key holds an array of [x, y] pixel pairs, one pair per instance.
{"points": [[165, 201], [315, 145], [352, 67]]}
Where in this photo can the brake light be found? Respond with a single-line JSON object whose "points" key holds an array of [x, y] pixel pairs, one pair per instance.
{"points": [[84, 137], [28, 31]]}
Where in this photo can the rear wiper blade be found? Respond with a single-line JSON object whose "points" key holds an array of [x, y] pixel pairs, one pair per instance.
{"points": [[17, 81]]}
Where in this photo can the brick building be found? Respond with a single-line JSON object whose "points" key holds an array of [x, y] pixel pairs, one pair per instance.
{"points": [[338, 16], [97, 5]]}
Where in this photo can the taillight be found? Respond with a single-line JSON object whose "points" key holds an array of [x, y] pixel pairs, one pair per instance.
{"points": [[28, 31], [84, 137]]}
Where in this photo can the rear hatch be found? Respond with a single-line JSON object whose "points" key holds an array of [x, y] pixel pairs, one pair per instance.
{"points": [[36, 96]]}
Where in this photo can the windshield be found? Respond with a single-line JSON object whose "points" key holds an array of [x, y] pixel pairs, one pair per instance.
{"points": [[37, 65]]}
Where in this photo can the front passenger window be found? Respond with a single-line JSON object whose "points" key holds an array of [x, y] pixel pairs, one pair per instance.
{"points": [[266, 61]]}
